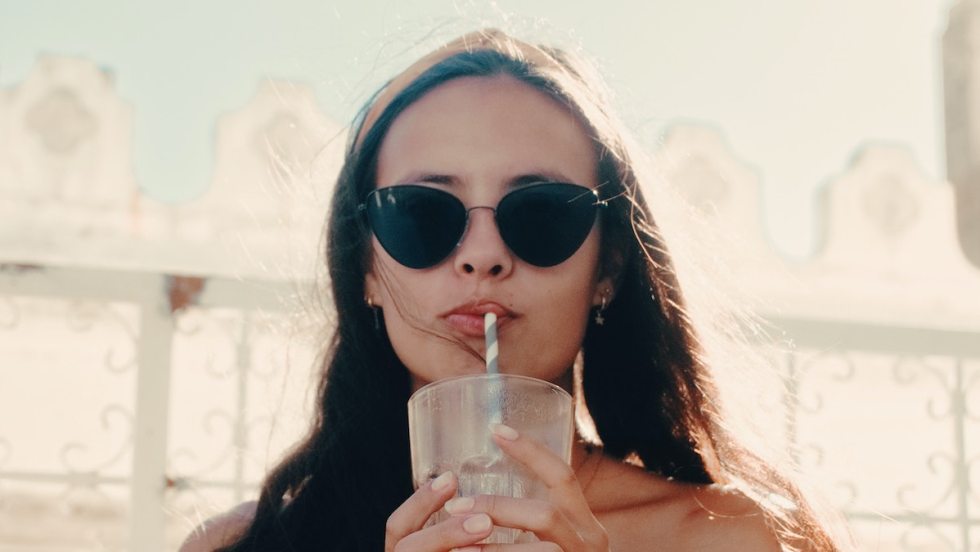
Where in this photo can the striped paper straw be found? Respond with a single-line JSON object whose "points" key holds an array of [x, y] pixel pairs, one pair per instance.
{"points": [[490, 332], [496, 385]]}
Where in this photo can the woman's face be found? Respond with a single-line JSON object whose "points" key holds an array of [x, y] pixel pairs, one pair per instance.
{"points": [[479, 138]]}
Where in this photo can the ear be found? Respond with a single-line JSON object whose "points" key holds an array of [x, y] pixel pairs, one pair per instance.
{"points": [[608, 274], [605, 287], [372, 289]]}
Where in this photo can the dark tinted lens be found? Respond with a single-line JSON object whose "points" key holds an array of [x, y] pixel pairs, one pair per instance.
{"points": [[417, 226], [545, 224]]}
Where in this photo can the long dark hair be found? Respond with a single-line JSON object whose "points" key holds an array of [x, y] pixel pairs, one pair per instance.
{"points": [[644, 378]]}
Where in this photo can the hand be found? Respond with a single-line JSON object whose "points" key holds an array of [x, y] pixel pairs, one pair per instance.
{"points": [[406, 531], [565, 522]]}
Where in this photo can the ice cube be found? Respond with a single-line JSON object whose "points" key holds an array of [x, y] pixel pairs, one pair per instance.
{"points": [[486, 475], [492, 475]]}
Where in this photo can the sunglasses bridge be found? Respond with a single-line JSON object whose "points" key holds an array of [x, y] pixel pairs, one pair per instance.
{"points": [[466, 226], [599, 205]]}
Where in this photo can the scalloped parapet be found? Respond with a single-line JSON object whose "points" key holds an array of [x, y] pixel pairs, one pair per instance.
{"points": [[68, 194], [890, 250], [276, 160], [65, 156], [722, 189]]}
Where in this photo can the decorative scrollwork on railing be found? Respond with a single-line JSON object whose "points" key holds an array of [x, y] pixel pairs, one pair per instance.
{"points": [[193, 320], [83, 316], [231, 466], [941, 403], [904, 372], [265, 328], [258, 369], [812, 455], [838, 365], [216, 370], [213, 420], [200, 322], [905, 540], [72, 450], [809, 454], [919, 370], [935, 459], [847, 369]]}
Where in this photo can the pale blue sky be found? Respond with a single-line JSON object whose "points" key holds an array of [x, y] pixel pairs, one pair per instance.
{"points": [[796, 86]]}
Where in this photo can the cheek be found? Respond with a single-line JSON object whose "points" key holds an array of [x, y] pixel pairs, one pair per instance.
{"points": [[410, 301], [560, 305], [566, 310], [403, 289]]}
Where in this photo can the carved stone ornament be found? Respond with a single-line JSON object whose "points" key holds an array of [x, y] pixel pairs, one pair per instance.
{"points": [[890, 206], [286, 143], [61, 121]]}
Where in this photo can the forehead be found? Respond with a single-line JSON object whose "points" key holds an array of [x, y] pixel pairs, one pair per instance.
{"points": [[486, 129]]}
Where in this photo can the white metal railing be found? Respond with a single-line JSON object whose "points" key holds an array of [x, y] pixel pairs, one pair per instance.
{"points": [[157, 297], [937, 368], [946, 360]]}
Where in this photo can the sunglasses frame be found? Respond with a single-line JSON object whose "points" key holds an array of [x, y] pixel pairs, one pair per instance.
{"points": [[599, 205]]}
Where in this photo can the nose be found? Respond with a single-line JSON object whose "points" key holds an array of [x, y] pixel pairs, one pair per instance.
{"points": [[482, 252]]}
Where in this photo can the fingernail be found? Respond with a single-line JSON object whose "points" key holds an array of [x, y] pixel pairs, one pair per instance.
{"points": [[477, 524], [441, 482], [459, 505], [505, 432], [466, 549]]}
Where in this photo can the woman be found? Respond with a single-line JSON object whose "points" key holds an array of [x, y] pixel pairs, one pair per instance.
{"points": [[454, 201]]}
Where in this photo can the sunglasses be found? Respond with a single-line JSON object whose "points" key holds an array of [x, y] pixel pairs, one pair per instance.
{"points": [[543, 224]]}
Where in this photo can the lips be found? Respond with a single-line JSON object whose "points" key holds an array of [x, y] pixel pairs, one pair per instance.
{"points": [[468, 319]]}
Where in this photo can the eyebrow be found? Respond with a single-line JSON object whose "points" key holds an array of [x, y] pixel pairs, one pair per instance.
{"points": [[521, 180]]}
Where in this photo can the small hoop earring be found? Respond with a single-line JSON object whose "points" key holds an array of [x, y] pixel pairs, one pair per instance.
{"points": [[599, 319]]}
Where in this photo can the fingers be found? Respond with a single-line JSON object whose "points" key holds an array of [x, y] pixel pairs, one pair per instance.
{"points": [[526, 547], [541, 517], [412, 515], [557, 476], [454, 533]]}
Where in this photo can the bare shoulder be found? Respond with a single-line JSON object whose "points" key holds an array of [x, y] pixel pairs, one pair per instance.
{"points": [[722, 518], [639, 508], [221, 530]]}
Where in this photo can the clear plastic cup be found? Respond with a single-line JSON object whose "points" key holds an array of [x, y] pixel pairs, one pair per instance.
{"points": [[449, 428]]}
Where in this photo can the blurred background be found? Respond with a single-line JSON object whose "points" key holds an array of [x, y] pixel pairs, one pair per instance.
{"points": [[164, 172]]}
